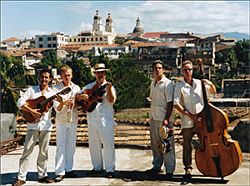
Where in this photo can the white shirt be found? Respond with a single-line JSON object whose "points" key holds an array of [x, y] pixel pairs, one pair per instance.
{"points": [[32, 93], [103, 114], [191, 98], [63, 116], [161, 94]]}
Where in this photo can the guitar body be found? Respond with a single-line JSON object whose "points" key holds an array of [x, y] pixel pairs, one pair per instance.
{"points": [[41, 103], [35, 104], [95, 95]]}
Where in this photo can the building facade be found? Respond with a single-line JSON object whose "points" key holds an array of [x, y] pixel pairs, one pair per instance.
{"points": [[54, 40], [96, 36]]}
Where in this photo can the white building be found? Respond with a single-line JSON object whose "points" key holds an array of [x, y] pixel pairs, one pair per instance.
{"points": [[54, 40], [110, 51], [96, 36], [11, 41]]}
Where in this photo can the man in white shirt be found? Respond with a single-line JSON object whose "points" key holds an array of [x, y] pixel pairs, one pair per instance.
{"points": [[101, 124], [66, 126], [40, 130], [161, 94], [188, 100]]}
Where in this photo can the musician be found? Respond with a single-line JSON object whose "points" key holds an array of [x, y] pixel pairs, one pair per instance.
{"points": [[188, 100], [161, 94], [101, 125], [66, 126], [40, 130]]}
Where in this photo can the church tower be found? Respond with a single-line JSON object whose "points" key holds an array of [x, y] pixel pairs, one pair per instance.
{"points": [[97, 25], [109, 24]]}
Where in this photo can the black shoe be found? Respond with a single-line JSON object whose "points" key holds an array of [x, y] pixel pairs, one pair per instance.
{"points": [[110, 175], [93, 172], [18, 182], [152, 171], [169, 176], [58, 178], [46, 179], [70, 174]]}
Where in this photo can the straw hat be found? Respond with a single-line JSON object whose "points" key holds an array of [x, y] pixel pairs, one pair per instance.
{"points": [[100, 67]]}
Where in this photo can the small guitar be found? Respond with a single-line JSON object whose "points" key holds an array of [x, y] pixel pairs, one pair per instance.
{"points": [[41, 103], [95, 95]]}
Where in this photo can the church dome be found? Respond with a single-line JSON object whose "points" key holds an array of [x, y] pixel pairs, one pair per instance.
{"points": [[138, 29], [97, 16], [109, 19]]}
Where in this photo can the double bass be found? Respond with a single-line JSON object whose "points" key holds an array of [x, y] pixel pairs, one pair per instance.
{"points": [[218, 155]]}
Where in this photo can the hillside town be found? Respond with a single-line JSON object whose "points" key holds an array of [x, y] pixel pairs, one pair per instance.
{"points": [[132, 126]]}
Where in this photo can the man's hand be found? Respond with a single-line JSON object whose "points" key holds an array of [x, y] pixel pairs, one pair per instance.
{"points": [[196, 118], [165, 122]]}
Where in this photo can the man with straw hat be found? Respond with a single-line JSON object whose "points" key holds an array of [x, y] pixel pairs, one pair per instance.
{"points": [[101, 124]]}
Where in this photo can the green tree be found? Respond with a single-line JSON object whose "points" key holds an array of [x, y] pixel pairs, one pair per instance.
{"points": [[81, 74], [12, 73], [50, 59]]}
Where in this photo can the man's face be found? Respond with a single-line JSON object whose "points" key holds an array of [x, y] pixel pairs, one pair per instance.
{"points": [[66, 76], [100, 76], [158, 70], [187, 70], [45, 79]]}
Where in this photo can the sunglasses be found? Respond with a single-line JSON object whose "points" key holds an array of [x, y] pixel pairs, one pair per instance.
{"points": [[189, 69]]}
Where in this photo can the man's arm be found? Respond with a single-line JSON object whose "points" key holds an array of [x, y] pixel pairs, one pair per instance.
{"points": [[110, 95], [194, 117], [169, 112]]}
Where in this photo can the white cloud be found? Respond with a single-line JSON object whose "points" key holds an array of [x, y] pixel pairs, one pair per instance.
{"points": [[202, 17], [31, 33]]}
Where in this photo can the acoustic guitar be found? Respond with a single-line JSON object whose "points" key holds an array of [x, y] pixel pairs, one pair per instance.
{"points": [[41, 103], [95, 95]]}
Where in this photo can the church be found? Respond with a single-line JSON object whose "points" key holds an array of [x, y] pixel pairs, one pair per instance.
{"points": [[96, 36]]}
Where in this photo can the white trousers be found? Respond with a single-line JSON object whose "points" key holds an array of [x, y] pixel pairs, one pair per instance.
{"points": [[99, 135], [168, 158], [30, 142], [66, 144]]}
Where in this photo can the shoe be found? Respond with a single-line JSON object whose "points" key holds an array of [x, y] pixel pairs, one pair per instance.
{"points": [[70, 174], [18, 182], [153, 171], [93, 172], [110, 175], [188, 173], [58, 178], [46, 179], [169, 175]]}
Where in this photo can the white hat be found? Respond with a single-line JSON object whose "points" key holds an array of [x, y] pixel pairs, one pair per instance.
{"points": [[100, 67]]}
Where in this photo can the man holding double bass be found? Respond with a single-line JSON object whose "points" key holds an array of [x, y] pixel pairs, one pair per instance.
{"points": [[188, 99], [100, 118], [39, 129]]}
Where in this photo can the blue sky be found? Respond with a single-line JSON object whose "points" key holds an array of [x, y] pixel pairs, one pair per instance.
{"points": [[22, 19]]}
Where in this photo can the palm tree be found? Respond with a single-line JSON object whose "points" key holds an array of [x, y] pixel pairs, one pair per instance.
{"points": [[12, 73]]}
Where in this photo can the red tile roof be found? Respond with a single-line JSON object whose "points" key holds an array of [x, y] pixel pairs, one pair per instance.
{"points": [[11, 39], [153, 34]]}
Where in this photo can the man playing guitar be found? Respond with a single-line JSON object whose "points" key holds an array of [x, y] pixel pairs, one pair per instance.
{"points": [[39, 129]]}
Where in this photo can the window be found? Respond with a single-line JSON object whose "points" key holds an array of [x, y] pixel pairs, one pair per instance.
{"points": [[75, 40], [49, 38], [96, 39], [79, 39], [87, 39], [40, 46], [54, 45], [40, 39], [54, 38], [92, 39], [105, 38], [83, 39], [69, 40], [100, 38], [49, 45]]}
